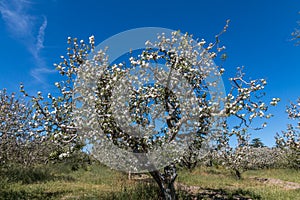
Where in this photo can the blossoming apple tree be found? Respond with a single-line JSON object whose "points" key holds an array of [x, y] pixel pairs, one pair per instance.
{"points": [[18, 142], [149, 112], [289, 140]]}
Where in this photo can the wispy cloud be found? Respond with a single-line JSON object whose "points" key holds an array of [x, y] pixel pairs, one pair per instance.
{"points": [[28, 29], [41, 35], [14, 14]]}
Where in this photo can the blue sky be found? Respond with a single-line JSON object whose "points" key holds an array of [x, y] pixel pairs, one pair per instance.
{"points": [[33, 35]]}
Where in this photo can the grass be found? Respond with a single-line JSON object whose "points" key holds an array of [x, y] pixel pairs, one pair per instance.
{"points": [[99, 182], [221, 179], [61, 183], [283, 174]]}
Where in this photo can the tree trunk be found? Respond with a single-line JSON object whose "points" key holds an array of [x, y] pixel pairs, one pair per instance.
{"points": [[238, 174], [166, 181]]}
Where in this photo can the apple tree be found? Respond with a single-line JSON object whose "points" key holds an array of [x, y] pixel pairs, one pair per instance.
{"points": [[148, 113], [19, 141], [289, 140]]}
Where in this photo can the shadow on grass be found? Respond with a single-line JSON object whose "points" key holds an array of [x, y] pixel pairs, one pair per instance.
{"points": [[218, 194], [14, 174], [149, 191], [28, 195], [140, 191]]}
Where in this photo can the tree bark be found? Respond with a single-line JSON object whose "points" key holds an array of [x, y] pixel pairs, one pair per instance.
{"points": [[166, 182], [238, 174]]}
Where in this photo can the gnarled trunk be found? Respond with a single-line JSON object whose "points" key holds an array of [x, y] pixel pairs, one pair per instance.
{"points": [[166, 181]]}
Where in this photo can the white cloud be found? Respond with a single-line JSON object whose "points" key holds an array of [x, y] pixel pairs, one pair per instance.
{"points": [[38, 73], [41, 35], [23, 26], [14, 14]]}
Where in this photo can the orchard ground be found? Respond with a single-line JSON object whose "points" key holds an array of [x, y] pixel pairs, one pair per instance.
{"points": [[58, 181]]}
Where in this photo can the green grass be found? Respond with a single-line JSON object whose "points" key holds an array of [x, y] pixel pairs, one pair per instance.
{"points": [[99, 182], [284, 174], [221, 179], [61, 183]]}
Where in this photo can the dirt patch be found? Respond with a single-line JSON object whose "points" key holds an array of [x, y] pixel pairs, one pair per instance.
{"points": [[196, 192], [287, 185]]}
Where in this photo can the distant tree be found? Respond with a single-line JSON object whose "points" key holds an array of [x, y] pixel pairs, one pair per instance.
{"points": [[235, 158], [19, 141], [245, 157], [289, 140], [256, 142], [265, 157]]}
